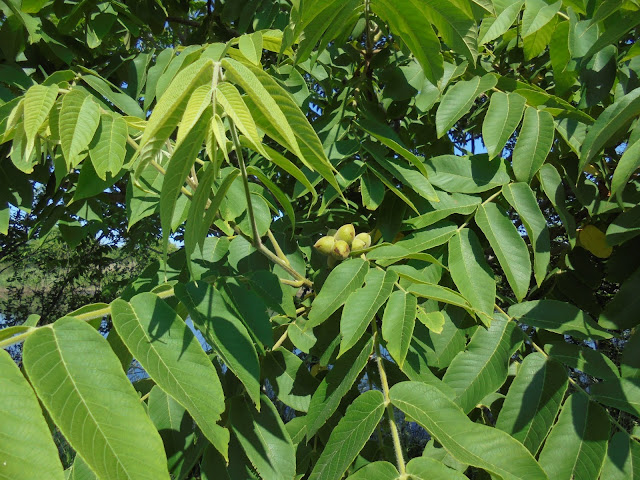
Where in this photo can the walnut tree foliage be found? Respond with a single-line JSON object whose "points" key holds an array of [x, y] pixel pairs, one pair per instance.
{"points": [[485, 151]]}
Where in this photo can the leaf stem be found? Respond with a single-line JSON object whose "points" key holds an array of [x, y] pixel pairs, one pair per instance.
{"points": [[281, 340], [257, 242], [276, 247], [397, 446]]}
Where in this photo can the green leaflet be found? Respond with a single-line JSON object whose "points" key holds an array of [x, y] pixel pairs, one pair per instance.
{"points": [[425, 468], [533, 145], [398, 323], [558, 317], [79, 118], [502, 119], [38, 102], [533, 401], [108, 148], [231, 100], [286, 164], [553, 188], [441, 348], [465, 440], [508, 246], [93, 403], [621, 393], [282, 198], [623, 458], [440, 294], [224, 331], [471, 272], [170, 108], [199, 101], [584, 359], [408, 19], [26, 446], [170, 353], [614, 117], [537, 14], [251, 47], [180, 163], [80, 470], [376, 471], [285, 121], [523, 200], [577, 444], [448, 204], [120, 99], [467, 174], [417, 241], [372, 190], [624, 227], [264, 438], [349, 436], [336, 384], [459, 99], [483, 367], [362, 306], [176, 429], [492, 28], [621, 311], [455, 25], [417, 181], [343, 280], [290, 378], [153, 75]]}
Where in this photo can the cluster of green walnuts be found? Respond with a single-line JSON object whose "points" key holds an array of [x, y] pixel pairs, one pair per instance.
{"points": [[339, 244]]}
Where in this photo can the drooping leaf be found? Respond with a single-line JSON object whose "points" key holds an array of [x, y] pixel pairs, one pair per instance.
{"points": [[336, 384], [537, 14], [554, 190], [624, 227], [614, 117], [343, 280], [559, 317], [584, 359], [349, 436], [459, 99], [523, 200], [483, 367], [92, 401], [621, 393], [408, 20], [508, 246], [176, 429], [577, 444], [398, 323], [440, 294], [492, 28], [465, 440], [376, 471], [224, 331], [623, 458], [79, 118], [534, 143], [290, 378], [361, 307], [471, 272], [38, 102], [264, 438], [468, 174], [629, 163], [533, 401], [26, 446], [621, 311], [502, 119], [425, 468], [170, 353], [448, 204], [108, 148]]}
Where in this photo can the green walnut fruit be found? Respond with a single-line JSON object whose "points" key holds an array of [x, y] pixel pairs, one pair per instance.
{"points": [[341, 250], [357, 245], [365, 238], [346, 233], [325, 245]]}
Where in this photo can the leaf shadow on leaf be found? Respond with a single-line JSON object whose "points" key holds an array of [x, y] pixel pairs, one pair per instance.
{"points": [[179, 444], [526, 413], [162, 318], [483, 170], [302, 385], [227, 332]]}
